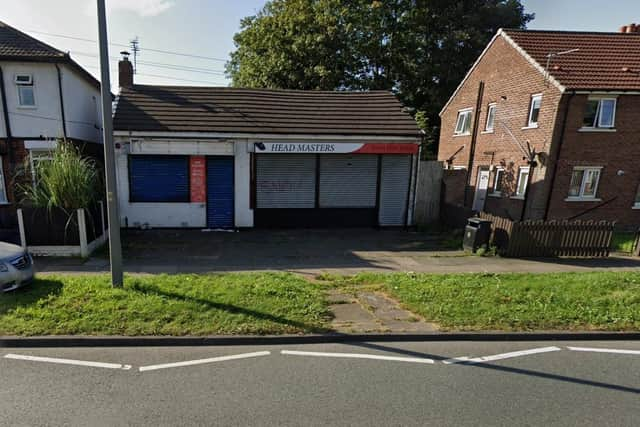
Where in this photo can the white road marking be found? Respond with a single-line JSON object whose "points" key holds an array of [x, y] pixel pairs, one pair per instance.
{"points": [[604, 350], [201, 361], [68, 361], [500, 356], [358, 356]]}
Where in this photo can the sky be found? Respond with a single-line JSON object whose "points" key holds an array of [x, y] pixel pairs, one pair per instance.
{"points": [[205, 28]]}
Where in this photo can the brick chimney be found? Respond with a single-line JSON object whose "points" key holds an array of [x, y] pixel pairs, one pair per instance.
{"points": [[631, 28], [125, 70]]}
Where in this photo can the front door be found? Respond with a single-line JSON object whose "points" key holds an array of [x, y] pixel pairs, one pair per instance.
{"points": [[481, 190], [220, 192]]}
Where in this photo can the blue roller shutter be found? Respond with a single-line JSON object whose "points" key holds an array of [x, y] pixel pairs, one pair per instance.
{"points": [[159, 178], [220, 192]]}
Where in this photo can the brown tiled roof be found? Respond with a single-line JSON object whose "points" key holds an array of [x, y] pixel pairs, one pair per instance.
{"points": [[18, 46], [604, 61], [222, 109]]}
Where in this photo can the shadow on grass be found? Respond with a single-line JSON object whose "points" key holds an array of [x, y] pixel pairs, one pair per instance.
{"points": [[229, 308], [38, 290]]}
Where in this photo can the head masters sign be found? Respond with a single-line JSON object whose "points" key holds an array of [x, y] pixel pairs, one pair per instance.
{"points": [[335, 148]]}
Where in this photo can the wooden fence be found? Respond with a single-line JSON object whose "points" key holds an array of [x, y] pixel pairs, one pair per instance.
{"points": [[550, 238], [428, 192]]}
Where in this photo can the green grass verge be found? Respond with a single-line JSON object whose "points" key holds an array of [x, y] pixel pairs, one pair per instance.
{"points": [[623, 242], [267, 303], [513, 302]]}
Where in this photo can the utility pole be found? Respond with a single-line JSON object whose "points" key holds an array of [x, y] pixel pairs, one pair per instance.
{"points": [[115, 249]]}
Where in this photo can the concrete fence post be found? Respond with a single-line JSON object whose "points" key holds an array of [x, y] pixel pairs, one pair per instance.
{"points": [[82, 232], [23, 235]]}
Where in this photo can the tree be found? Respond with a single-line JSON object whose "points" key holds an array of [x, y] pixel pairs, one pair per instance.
{"points": [[419, 49]]}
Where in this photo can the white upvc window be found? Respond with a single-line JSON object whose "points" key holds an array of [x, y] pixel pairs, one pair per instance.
{"points": [[491, 117], [36, 158], [534, 110], [498, 177], [523, 181], [3, 188], [584, 182], [463, 122], [636, 202], [600, 113], [26, 93]]}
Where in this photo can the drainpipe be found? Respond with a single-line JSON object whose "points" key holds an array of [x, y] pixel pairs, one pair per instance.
{"points": [[474, 138], [557, 156], [7, 123], [64, 121]]}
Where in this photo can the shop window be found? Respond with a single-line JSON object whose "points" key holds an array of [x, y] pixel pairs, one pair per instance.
{"points": [[463, 122], [584, 183], [159, 178], [600, 113]]}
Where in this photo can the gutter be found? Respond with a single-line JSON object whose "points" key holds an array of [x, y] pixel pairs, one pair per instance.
{"points": [[64, 121], [557, 156]]}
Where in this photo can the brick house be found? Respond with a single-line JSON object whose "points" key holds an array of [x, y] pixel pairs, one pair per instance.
{"points": [[545, 125]]}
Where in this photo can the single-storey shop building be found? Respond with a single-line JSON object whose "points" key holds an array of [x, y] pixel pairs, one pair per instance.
{"points": [[209, 157]]}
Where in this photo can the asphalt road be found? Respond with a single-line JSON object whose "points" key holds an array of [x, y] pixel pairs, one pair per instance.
{"points": [[545, 383]]}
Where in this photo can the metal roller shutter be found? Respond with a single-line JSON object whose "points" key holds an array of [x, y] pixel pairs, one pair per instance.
{"points": [[220, 192], [159, 178], [394, 189], [285, 181], [348, 181]]}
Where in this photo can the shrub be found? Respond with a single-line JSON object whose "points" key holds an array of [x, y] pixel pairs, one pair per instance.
{"points": [[68, 181]]}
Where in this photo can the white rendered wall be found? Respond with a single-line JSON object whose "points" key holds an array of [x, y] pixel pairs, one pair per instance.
{"points": [[181, 214], [81, 104], [242, 195], [82, 107], [43, 120]]}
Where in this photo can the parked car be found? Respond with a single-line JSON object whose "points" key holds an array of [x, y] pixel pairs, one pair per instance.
{"points": [[16, 267]]}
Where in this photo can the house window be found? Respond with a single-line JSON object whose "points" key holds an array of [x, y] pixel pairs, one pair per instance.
{"points": [[636, 203], [37, 158], [3, 188], [463, 123], [26, 95], [497, 181], [491, 117], [584, 183], [534, 110], [600, 113], [523, 180]]}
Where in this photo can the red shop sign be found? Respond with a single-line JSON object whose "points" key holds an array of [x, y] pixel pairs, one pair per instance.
{"points": [[197, 179]]}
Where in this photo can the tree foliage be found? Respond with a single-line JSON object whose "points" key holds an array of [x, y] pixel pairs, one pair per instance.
{"points": [[420, 49]]}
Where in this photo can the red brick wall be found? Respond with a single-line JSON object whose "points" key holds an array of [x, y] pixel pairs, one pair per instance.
{"points": [[509, 80], [614, 151]]}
